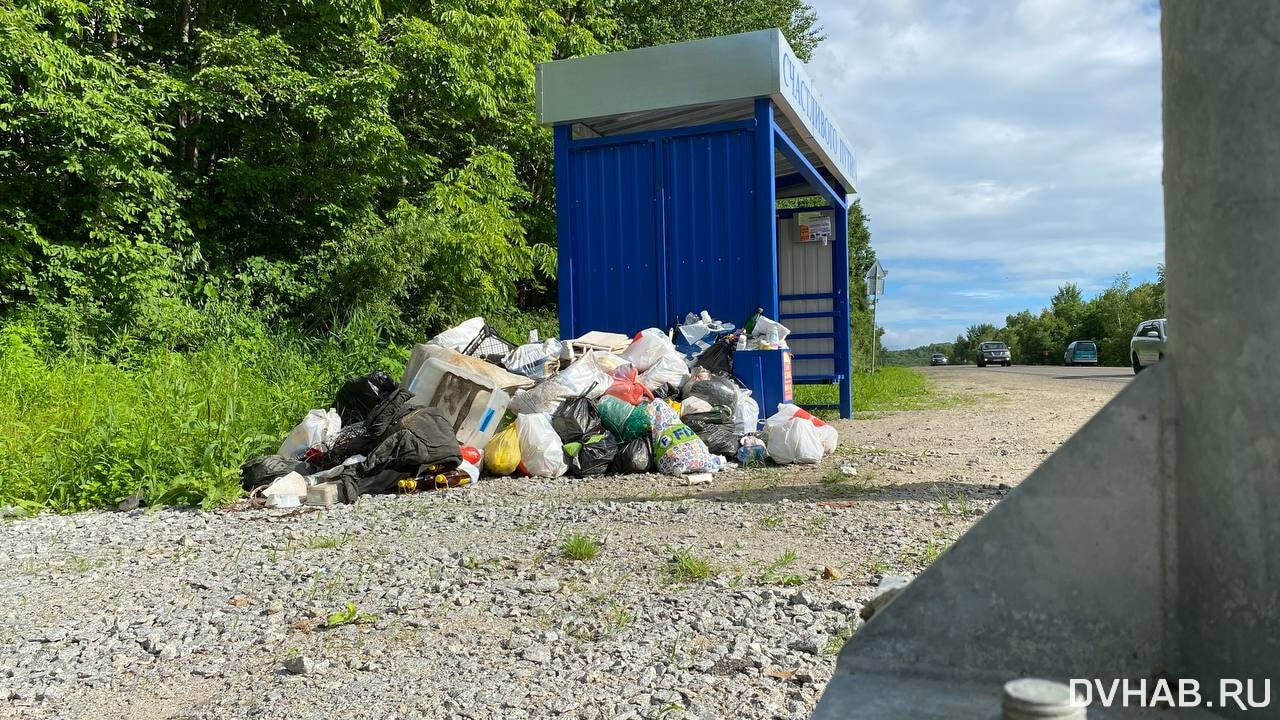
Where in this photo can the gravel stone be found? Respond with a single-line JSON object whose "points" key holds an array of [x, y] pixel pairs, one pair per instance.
{"points": [[210, 615]]}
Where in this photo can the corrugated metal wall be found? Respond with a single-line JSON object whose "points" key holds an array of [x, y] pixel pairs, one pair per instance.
{"points": [[615, 248], [630, 271], [712, 254]]}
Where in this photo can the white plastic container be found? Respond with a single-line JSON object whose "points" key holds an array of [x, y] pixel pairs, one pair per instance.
{"points": [[472, 402]]}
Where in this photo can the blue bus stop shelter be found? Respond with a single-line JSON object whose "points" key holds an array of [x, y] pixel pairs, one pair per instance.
{"points": [[670, 162]]}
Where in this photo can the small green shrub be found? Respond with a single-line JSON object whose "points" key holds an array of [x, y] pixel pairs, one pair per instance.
{"points": [[347, 615], [687, 567], [580, 548]]}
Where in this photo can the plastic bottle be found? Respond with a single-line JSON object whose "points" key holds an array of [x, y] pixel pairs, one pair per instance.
{"points": [[751, 321], [742, 341], [533, 335], [451, 479]]}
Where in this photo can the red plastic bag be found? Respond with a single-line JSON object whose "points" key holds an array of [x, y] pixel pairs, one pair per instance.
{"points": [[629, 391], [625, 386]]}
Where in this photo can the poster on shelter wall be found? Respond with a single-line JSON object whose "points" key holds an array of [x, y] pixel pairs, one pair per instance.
{"points": [[814, 227]]}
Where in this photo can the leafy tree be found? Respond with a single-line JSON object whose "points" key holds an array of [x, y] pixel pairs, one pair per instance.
{"points": [[88, 214], [657, 22], [1108, 319], [306, 159]]}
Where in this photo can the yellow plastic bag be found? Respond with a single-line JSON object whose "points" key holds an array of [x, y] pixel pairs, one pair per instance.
{"points": [[502, 453], [675, 405]]}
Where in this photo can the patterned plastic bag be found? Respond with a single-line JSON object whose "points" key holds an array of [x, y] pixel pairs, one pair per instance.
{"points": [[677, 449]]}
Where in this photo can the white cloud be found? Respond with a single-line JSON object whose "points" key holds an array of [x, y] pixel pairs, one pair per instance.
{"points": [[1022, 137]]}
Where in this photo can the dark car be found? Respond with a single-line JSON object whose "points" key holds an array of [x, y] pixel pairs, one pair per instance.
{"points": [[1081, 352], [993, 353], [938, 359]]}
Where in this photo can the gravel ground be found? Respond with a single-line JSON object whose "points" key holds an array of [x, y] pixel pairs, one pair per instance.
{"points": [[474, 612]]}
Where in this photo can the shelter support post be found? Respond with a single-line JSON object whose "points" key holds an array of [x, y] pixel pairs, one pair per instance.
{"points": [[1145, 546], [765, 207], [840, 304]]}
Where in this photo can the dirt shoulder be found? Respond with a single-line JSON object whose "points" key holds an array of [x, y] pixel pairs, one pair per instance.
{"points": [[474, 612]]}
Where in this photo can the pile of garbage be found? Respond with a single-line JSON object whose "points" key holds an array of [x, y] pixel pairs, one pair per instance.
{"points": [[471, 402]]}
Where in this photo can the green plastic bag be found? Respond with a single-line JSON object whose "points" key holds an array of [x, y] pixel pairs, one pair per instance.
{"points": [[625, 420]]}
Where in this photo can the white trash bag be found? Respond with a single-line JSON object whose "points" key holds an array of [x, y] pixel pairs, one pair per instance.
{"points": [[541, 452], [583, 377], [648, 348], [826, 435], [793, 441], [457, 338], [668, 369], [764, 327], [535, 360], [746, 413], [317, 427]]}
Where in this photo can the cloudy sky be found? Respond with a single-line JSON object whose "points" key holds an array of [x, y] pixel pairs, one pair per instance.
{"points": [[1003, 147]]}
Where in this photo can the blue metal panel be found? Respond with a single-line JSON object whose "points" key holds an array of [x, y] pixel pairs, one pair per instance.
{"points": [[840, 284], [614, 240], [765, 206], [659, 134], [713, 259]]}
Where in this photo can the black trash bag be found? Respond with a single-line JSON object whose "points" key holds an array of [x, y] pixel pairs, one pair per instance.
{"points": [[577, 419], [419, 437], [718, 415], [715, 390], [634, 457], [352, 483], [666, 390], [718, 358], [358, 395], [381, 417], [720, 440], [263, 470], [595, 455], [351, 440], [715, 427]]}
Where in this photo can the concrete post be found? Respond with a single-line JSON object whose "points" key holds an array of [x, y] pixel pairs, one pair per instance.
{"points": [[1222, 246], [1148, 546]]}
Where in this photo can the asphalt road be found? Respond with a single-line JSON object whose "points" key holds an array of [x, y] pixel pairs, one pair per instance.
{"points": [[1056, 372]]}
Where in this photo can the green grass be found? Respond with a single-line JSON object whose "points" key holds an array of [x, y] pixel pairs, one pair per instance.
{"points": [[347, 615], [837, 641], [580, 548], [328, 542], [170, 411], [687, 567], [890, 388]]}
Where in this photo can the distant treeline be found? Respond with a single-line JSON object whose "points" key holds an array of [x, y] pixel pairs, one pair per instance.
{"points": [[1108, 319], [914, 356]]}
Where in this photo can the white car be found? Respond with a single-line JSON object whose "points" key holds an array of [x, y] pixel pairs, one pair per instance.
{"points": [[1148, 344]]}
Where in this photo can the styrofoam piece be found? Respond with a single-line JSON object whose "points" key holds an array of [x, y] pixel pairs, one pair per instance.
{"points": [[508, 381], [470, 400]]}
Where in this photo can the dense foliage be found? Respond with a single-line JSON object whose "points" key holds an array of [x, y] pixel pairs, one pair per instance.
{"points": [[211, 211], [916, 356], [1108, 319], [306, 158]]}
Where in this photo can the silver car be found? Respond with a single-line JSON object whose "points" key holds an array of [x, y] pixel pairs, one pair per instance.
{"points": [[1148, 344]]}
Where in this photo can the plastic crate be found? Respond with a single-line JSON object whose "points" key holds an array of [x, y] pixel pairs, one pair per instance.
{"points": [[489, 345]]}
